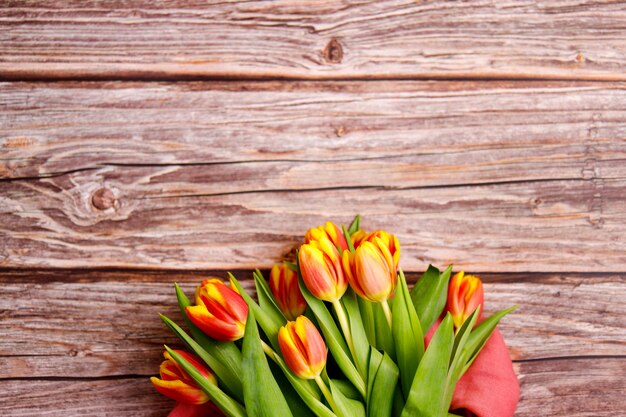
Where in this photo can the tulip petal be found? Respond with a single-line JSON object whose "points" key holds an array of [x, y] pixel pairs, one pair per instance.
{"points": [[180, 391], [217, 329]]}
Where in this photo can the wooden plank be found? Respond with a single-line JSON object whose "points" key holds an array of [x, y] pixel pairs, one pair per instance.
{"points": [[287, 39], [70, 221], [88, 398], [581, 387], [439, 133], [103, 324], [493, 176]]}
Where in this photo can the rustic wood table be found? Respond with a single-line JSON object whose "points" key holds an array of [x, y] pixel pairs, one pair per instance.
{"points": [[143, 143]]}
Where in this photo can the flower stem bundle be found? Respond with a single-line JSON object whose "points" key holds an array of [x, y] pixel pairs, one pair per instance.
{"points": [[337, 333]]}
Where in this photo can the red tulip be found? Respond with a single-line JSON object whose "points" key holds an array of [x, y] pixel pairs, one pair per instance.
{"points": [[320, 265], [465, 294], [372, 268], [302, 348], [220, 311], [177, 384], [284, 285], [329, 231]]}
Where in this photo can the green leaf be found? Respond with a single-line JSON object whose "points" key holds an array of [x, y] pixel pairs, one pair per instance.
{"points": [[333, 338], [225, 403], [381, 384], [359, 337], [347, 389], [458, 357], [269, 323], [398, 402], [262, 395], [367, 317], [426, 395], [346, 407], [384, 336], [355, 225], [481, 334], [310, 396], [407, 334], [296, 404], [429, 295], [266, 298]]}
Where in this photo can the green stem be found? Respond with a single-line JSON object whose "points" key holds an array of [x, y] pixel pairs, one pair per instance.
{"points": [[268, 350], [327, 393], [345, 327], [387, 311]]}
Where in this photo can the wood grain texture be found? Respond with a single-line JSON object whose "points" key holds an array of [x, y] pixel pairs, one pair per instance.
{"points": [[539, 226], [523, 181], [562, 388], [491, 176], [336, 39], [447, 132], [79, 397], [103, 324]]}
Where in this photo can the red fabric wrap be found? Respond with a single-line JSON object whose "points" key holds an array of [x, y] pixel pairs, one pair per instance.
{"points": [[490, 387]]}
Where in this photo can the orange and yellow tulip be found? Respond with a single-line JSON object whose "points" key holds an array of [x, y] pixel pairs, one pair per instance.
{"points": [[390, 241], [220, 311], [329, 231], [177, 384], [358, 237], [372, 269], [320, 265], [284, 285], [465, 294], [302, 348]]}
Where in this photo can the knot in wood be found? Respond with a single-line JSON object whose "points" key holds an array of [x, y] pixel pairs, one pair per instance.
{"points": [[333, 52], [103, 199]]}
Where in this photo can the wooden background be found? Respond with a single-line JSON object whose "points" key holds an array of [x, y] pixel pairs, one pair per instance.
{"points": [[143, 143]]}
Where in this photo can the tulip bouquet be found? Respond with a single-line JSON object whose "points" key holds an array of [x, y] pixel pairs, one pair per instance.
{"points": [[338, 333]]}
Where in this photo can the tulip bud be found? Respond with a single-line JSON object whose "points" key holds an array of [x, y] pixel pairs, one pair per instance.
{"points": [[320, 265], [302, 348], [220, 311], [465, 294], [389, 241], [372, 268], [358, 237], [329, 231], [177, 384], [284, 285]]}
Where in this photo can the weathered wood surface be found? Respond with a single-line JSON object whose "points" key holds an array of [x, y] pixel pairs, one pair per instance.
{"points": [[523, 181], [497, 177], [569, 387], [335, 39], [438, 133], [128, 396]]}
